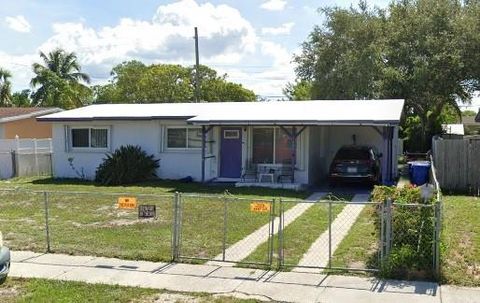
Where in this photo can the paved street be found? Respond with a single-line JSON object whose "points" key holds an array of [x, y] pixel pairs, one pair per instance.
{"points": [[231, 281]]}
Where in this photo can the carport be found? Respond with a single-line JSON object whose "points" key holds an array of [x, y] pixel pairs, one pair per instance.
{"points": [[314, 131]]}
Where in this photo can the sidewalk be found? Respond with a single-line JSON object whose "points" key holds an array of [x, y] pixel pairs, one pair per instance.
{"points": [[231, 281]]}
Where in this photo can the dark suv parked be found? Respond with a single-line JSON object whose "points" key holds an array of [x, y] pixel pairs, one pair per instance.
{"points": [[356, 163]]}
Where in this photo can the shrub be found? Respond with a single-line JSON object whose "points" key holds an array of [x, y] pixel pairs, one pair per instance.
{"points": [[127, 164], [413, 226]]}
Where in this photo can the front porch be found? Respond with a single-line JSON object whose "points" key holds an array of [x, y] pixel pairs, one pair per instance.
{"points": [[290, 186]]}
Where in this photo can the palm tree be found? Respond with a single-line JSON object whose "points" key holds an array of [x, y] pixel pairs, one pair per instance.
{"points": [[58, 80], [5, 88]]}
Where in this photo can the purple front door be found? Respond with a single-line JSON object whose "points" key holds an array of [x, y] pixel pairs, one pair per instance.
{"points": [[231, 153]]}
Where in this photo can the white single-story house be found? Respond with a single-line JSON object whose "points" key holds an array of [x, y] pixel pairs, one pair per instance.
{"points": [[279, 144]]}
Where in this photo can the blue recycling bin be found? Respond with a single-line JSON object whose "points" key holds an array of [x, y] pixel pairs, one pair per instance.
{"points": [[419, 172]]}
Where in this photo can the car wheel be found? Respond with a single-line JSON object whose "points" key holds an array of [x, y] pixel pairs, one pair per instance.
{"points": [[2, 280]]}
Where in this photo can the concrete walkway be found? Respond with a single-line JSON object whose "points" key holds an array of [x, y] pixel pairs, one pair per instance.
{"points": [[243, 248], [317, 254], [231, 281]]}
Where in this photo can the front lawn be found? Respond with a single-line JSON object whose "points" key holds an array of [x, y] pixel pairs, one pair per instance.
{"points": [[84, 219], [359, 248], [461, 240], [41, 290]]}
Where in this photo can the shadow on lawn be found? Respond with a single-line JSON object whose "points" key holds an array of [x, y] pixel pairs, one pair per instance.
{"points": [[171, 186]]}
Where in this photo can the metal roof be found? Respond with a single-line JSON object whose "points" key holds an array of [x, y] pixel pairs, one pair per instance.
{"points": [[318, 112]]}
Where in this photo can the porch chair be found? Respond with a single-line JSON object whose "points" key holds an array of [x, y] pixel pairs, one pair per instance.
{"points": [[251, 170], [286, 171]]}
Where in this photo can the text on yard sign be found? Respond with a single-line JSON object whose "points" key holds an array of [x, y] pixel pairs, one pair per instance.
{"points": [[260, 207], [147, 211], [127, 202]]}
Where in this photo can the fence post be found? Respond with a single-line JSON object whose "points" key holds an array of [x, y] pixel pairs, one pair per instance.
{"points": [[225, 227], [280, 235], [176, 224], [382, 231], [438, 226], [271, 233], [330, 233], [35, 153], [388, 227], [47, 228]]}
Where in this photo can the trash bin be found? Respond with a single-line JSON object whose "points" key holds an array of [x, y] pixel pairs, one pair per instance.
{"points": [[419, 172]]}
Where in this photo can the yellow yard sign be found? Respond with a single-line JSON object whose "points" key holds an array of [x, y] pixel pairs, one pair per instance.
{"points": [[260, 207], [127, 202]]}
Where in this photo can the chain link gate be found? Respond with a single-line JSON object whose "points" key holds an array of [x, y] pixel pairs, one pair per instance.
{"points": [[329, 222], [223, 229]]}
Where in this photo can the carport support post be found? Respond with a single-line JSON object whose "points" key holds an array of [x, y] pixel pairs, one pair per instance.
{"points": [[47, 229], [388, 138]]}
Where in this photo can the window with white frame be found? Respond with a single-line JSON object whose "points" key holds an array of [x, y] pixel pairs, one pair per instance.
{"points": [[271, 145], [184, 138], [89, 137]]}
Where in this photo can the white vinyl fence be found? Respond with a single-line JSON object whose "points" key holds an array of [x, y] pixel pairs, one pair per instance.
{"points": [[25, 157]]}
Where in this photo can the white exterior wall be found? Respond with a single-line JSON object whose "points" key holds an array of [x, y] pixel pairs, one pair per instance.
{"points": [[148, 134], [316, 147]]}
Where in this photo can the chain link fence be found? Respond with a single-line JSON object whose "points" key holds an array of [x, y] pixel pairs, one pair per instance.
{"points": [[328, 234], [223, 228]]}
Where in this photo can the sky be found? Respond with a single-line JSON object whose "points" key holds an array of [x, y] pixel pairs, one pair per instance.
{"points": [[253, 41]]}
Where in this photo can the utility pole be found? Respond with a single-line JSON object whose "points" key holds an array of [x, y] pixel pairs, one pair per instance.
{"points": [[197, 69]]}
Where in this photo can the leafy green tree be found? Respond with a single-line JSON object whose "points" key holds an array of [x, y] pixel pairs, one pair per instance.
{"points": [[59, 81], [135, 82], [300, 90], [22, 98], [5, 87], [425, 51]]}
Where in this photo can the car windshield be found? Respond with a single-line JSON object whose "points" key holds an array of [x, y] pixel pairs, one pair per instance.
{"points": [[352, 153]]}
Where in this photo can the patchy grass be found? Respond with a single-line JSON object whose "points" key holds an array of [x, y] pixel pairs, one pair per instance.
{"points": [[300, 234], [359, 249], [84, 220], [41, 290], [461, 240]]}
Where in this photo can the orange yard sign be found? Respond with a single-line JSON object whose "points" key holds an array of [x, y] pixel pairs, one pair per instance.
{"points": [[127, 202], [260, 207]]}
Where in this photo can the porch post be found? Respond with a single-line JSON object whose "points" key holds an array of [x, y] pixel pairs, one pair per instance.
{"points": [[204, 139]]}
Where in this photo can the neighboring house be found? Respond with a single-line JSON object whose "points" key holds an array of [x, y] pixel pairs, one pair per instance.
{"points": [[471, 124], [222, 141], [453, 131], [21, 122]]}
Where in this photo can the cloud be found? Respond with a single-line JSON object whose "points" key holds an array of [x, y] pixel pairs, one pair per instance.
{"points": [[168, 36], [228, 42], [274, 5], [283, 29], [18, 23]]}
